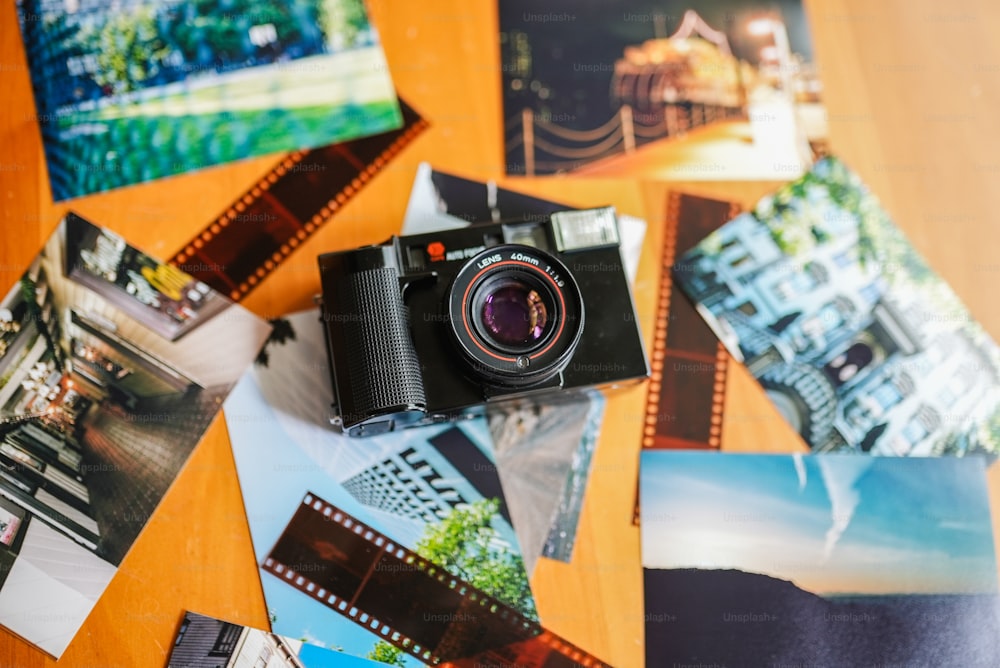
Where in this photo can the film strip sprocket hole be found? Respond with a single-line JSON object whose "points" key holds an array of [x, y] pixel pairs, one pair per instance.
{"points": [[346, 606], [688, 364], [662, 319], [258, 231], [404, 599]]}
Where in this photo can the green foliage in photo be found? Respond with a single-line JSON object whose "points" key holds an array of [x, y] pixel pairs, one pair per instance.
{"points": [[465, 544]]}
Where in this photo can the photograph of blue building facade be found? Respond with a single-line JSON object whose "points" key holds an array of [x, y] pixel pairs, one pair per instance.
{"points": [[857, 342]]}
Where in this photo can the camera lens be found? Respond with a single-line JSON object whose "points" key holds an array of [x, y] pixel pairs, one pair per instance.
{"points": [[516, 314]]}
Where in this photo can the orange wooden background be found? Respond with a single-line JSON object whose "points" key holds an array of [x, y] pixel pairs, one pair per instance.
{"points": [[912, 88]]}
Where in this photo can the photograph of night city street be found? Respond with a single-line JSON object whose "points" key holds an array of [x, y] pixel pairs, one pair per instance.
{"points": [[825, 560], [128, 92], [112, 366], [716, 90]]}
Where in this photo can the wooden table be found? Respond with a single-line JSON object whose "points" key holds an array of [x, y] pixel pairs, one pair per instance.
{"points": [[912, 90]]}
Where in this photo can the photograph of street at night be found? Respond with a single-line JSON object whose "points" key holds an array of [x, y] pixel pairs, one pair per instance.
{"points": [[678, 91]]}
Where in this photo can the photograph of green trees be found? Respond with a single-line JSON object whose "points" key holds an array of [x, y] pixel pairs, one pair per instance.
{"points": [[135, 91]]}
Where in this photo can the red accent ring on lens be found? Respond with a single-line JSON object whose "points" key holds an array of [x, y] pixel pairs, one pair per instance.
{"points": [[557, 290]]}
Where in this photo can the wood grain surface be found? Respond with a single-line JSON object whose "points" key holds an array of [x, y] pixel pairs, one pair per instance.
{"points": [[912, 88]]}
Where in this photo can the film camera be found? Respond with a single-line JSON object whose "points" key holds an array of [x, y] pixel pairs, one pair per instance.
{"points": [[431, 327]]}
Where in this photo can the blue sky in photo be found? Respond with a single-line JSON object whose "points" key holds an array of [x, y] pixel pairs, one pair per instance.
{"points": [[832, 524], [318, 657]]}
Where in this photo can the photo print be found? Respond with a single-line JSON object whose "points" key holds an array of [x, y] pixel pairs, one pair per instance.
{"points": [[206, 642], [702, 90], [857, 342], [112, 366], [817, 560], [130, 92]]}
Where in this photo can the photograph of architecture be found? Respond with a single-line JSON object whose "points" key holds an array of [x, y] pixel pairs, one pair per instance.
{"points": [[130, 92], [807, 560], [857, 342], [206, 642], [410, 482], [710, 90], [101, 402]]}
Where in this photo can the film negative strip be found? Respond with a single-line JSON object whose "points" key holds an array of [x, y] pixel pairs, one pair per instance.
{"points": [[406, 600], [261, 228], [688, 381]]}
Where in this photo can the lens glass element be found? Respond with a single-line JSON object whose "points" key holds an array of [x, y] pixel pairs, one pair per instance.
{"points": [[514, 313]]}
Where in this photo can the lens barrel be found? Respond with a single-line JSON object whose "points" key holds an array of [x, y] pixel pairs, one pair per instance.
{"points": [[516, 314]]}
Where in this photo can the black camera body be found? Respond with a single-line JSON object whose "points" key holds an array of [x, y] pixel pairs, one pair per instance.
{"points": [[431, 327]]}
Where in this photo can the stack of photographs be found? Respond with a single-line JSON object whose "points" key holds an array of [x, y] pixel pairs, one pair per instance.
{"points": [[401, 540], [112, 366], [874, 545]]}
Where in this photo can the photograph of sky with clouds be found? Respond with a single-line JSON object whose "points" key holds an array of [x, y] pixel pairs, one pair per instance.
{"points": [[831, 524]]}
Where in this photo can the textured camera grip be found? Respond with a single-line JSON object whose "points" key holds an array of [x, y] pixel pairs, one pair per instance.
{"points": [[383, 369]]}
